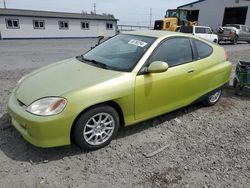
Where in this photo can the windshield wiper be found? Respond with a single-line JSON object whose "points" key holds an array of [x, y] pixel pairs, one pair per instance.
{"points": [[100, 64]]}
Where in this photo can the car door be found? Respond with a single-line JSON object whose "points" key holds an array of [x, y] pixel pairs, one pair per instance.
{"points": [[242, 33], [158, 93], [248, 34], [210, 36]]}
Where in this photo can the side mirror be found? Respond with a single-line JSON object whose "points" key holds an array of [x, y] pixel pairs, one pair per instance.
{"points": [[157, 67]]}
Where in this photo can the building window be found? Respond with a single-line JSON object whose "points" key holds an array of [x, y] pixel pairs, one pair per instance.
{"points": [[12, 24], [109, 26], [85, 25], [63, 25], [38, 24]]}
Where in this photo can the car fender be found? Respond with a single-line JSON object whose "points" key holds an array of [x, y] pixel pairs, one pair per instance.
{"points": [[120, 92]]}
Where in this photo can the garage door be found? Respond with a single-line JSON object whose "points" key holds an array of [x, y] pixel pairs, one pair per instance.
{"points": [[235, 15]]}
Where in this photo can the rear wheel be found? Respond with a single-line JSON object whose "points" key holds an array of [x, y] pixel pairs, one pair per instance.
{"points": [[213, 98], [96, 127], [235, 40]]}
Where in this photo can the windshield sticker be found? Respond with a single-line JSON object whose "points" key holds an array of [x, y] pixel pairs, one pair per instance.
{"points": [[137, 43]]}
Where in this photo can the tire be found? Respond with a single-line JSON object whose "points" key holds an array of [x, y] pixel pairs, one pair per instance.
{"points": [[235, 82], [235, 40], [212, 98], [96, 127], [215, 41]]}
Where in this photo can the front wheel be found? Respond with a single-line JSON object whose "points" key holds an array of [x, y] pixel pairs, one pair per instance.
{"points": [[96, 127], [213, 98]]}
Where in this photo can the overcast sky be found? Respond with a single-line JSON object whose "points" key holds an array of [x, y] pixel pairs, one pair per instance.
{"points": [[130, 12]]}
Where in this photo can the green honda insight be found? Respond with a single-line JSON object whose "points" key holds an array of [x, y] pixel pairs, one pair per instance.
{"points": [[127, 79]]}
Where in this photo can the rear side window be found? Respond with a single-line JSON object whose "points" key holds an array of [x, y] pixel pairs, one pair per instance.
{"points": [[174, 51], [203, 49]]}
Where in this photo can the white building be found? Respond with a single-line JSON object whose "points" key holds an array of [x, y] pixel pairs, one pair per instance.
{"points": [[215, 13], [31, 24]]}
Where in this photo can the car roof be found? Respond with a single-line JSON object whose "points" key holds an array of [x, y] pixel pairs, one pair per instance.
{"points": [[154, 33]]}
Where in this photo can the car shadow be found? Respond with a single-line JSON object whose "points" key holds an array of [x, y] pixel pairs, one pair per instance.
{"points": [[153, 122], [16, 148]]}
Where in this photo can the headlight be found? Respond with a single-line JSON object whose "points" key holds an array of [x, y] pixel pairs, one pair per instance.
{"points": [[47, 106]]}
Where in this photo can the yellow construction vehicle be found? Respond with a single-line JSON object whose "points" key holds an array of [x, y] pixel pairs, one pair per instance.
{"points": [[175, 18]]}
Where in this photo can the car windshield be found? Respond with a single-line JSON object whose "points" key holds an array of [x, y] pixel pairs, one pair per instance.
{"points": [[121, 52]]}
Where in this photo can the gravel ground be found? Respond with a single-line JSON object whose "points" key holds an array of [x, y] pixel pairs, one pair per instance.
{"points": [[204, 147]]}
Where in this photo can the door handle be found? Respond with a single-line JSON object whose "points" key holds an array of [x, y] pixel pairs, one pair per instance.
{"points": [[191, 70]]}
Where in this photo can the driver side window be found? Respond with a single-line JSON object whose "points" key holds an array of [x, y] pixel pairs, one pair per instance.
{"points": [[175, 51]]}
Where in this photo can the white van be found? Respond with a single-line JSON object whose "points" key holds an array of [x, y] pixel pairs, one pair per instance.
{"points": [[200, 31]]}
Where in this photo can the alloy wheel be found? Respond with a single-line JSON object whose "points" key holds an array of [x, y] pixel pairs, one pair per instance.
{"points": [[99, 128], [215, 97]]}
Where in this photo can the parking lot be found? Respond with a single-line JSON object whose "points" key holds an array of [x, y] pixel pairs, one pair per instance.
{"points": [[204, 146]]}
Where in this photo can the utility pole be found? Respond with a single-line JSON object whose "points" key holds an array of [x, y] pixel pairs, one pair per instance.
{"points": [[150, 19], [4, 3], [95, 8]]}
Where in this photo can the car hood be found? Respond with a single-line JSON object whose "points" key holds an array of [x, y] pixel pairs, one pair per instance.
{"points": [[60, 78]]}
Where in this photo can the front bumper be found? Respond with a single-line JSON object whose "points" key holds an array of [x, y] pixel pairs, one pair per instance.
{"points": [[41, 131]]}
